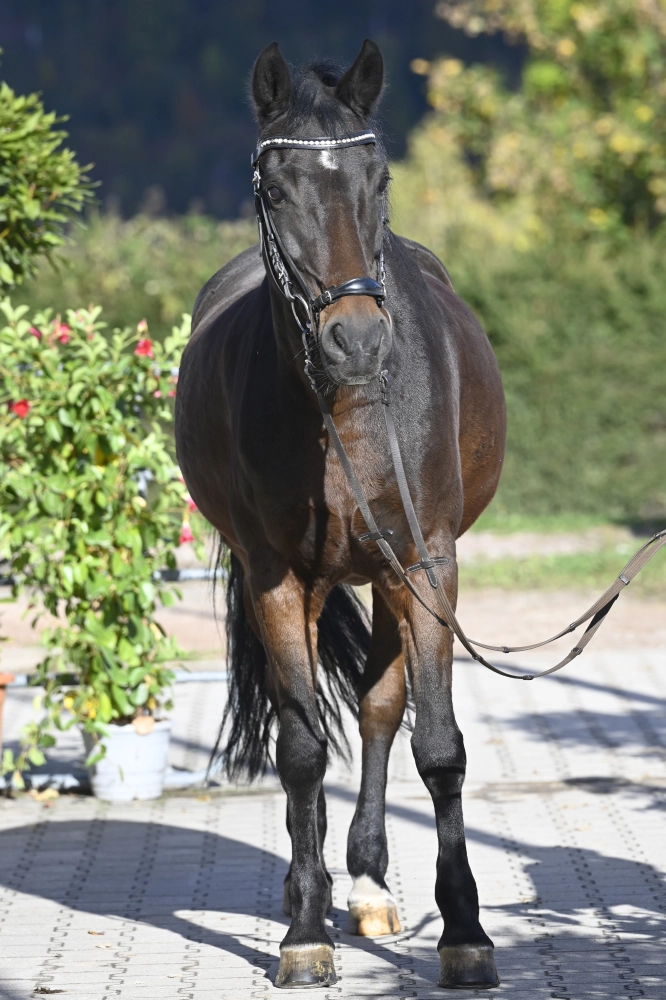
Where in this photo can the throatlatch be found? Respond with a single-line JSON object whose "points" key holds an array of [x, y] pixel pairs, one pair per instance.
{"points": [[285, 274]]}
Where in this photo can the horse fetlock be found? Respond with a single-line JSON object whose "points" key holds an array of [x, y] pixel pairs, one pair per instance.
{"points": [[306, 965], [372, 909], [286, 898], [467, 966]]}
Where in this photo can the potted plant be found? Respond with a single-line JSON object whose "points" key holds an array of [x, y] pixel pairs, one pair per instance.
{"points": [[91, 509]]}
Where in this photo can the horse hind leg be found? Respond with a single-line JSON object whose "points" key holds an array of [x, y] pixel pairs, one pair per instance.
{"points": [[372, 908], [321, 831]]}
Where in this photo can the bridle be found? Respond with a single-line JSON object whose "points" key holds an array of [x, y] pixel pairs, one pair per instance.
{"points": [[278, 261], [283, 271]]}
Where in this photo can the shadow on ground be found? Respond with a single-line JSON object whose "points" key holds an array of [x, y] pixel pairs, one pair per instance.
{"points": [[164, 875]]}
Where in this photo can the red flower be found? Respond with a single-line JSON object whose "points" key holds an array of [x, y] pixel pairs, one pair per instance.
{"points": [[172, 392], [21, 408], [142, 326], [157, 394], [145, 348], [64, 333], [185, 534], [35, 332], [190, 502]]}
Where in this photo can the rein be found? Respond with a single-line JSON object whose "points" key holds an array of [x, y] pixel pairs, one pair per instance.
{"points": [[285, 274]]}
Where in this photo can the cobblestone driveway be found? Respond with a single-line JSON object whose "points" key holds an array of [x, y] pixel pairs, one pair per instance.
{"points": [[564, 809]]}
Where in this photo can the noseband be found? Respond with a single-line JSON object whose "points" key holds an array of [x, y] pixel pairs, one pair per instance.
{"points": [[279, 263], [285, 275]]}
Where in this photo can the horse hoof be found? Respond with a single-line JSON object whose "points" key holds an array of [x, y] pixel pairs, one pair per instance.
{"points": [[467, 966], [286, 899], [307, 965], [372, 909]]}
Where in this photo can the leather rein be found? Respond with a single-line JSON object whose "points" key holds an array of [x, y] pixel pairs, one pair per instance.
{"points": [[286, 276]]}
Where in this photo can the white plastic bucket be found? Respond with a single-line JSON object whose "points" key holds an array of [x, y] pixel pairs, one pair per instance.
{"points": [[134, 765]]}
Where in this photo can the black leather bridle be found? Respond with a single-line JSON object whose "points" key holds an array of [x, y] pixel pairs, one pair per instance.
{"points": [[286, 275], [277, 259]]}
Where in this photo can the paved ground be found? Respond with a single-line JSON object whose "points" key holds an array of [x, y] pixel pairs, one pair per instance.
{"points": [[564, 809]]}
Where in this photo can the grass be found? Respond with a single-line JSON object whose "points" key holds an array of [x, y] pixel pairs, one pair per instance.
{"points": [[575, 571], [502, 523]]}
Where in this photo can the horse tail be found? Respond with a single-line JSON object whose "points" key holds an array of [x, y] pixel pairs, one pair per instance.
{"points": [[244, 744]]}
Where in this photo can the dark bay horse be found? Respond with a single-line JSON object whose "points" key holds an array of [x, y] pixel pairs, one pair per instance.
{"points": [[258, 461]]}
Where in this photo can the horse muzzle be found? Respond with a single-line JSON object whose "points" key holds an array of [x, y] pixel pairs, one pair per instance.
{"points": [[353, 346]]}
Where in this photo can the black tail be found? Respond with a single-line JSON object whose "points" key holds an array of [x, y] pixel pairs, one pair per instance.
{"points": [[244, 743]]}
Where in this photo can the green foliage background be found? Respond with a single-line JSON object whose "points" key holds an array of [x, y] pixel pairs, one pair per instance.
{"points": [[41, 185], [545, 202]]}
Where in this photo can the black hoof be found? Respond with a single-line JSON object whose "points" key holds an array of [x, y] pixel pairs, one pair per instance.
{"points": [[467, 966], [309, 965]]}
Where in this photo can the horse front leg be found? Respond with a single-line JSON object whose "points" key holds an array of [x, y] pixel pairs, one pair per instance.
{"points": [[372, 908], [306, 953], [466, 951], [322, 826]]}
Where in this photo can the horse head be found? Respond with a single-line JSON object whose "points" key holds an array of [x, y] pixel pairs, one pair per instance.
{"points": [[323, 203]]}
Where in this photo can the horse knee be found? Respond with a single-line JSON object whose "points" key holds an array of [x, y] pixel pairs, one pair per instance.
{"points": [[301, 750]]}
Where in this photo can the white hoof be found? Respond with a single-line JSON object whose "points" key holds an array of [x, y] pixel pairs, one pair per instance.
{"points": [[372, 909]]}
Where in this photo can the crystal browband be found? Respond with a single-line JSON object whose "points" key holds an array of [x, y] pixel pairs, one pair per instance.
{"points": [[288, 142]]}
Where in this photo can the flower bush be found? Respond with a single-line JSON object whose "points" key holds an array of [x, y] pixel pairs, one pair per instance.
{"points": [[91, 509]]}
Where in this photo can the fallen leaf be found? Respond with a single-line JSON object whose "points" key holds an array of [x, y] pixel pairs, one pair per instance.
{"points": [[203, 798], [45, 796], [96, 933], [47, 990], [143, 724], [104, 945]]}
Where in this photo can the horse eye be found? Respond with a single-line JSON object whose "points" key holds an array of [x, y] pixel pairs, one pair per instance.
{"points": [[383, 184], [275, 194]]}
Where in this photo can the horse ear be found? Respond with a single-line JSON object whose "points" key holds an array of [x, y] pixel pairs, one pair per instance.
{"points": [[362, 84], [271, 83]]}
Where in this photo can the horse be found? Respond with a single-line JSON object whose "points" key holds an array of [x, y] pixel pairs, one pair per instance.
{"points": [[279, 457]]}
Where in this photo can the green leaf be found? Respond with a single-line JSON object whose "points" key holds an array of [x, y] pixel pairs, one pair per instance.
{"points": [[136, 675], [105, 710], [53, 431], [147, 591], [75, 391], [36, 757], [127, 653], [140, 696], [121, 701], [119, 675]]}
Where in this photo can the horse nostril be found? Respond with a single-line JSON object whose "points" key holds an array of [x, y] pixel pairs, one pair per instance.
{"points": [[338, 339]]}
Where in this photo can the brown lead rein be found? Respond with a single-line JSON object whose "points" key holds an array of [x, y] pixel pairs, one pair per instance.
{"points": [[596, 613]]}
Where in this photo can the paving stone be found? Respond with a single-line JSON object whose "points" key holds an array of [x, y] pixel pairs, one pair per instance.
{"points": [[564, 808]]}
